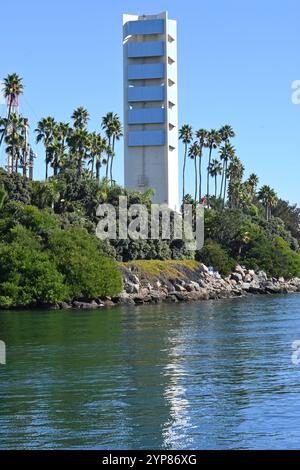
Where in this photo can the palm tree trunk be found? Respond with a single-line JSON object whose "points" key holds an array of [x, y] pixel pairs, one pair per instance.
{"points": [[112, 159], [196, 179], [200, 173], [225, 184], [46, 176], [7, 122], [111, 168], [209, 161], [79, 167], [93, 164], [222, 181], [98, 170], [108, 159], [183, 173]]}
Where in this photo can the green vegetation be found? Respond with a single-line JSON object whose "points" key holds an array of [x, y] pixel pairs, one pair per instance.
{"points": [[212, 254], [152, 269], [43, 263], [48, 248]]}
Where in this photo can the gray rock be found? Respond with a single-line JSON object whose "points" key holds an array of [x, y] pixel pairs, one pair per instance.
{"points": [[85, 305], [123, 298], [65, 305], [203, 268], [179, 288], [246, 285], [237, 277], [131, 288], [261, 275]]}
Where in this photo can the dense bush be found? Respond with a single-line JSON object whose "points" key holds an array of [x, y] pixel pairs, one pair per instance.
{"points": [[212, 254], [286, 262], [17, 187], [27, 275], [277, 258], [227, 228], [87, 273], [42, 263]]}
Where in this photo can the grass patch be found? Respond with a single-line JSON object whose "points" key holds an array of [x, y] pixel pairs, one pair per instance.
{"points": [[152, 269]]}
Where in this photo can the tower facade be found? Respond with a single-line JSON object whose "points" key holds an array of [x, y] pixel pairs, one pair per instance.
{"points": [[150, 106]]}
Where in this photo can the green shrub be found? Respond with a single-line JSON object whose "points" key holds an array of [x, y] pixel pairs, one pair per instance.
{"points": [[258, 253], [17, 187], [212, 254], [88, 274], [28, 276], [286, 262]]}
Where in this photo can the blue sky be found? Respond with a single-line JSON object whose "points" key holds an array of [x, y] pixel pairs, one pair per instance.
{"points": [[236, 63]]}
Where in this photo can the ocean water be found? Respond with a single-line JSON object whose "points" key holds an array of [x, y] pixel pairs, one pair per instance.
{"points": [[207, 375]]}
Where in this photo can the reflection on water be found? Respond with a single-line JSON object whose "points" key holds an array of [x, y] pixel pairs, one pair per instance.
{"points": [[210, 375]]}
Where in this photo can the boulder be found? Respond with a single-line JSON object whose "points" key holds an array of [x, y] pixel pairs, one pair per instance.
{"points": [[123, 298], [237, 277], [86, 305], [261, 275], [240, 270], [203, 268], [65, 305], [179, 288], [246, 285], [131, 288]]}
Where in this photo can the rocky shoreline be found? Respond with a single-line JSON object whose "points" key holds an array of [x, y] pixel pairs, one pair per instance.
{"points": [[190, 285]]}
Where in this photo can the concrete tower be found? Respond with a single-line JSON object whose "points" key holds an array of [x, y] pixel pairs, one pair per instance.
{"points": [[150, 106]]}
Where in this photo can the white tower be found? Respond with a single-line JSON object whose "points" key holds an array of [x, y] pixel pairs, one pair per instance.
{"points": [[150, 106]]}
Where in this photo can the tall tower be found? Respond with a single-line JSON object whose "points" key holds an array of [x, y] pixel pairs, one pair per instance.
{"points": [[150, 106]]}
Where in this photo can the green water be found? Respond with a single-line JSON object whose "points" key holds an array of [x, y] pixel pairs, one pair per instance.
{"points": [[210, 375]]}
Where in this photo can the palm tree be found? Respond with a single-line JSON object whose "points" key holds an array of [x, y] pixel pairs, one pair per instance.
{"points": [[113, 129], [227, 152], [45, 133], [117, 134], [235, 174], [194, 152], [201, 135], [234, 193], [79, 143], [215, 169], [212, 141], [186, 135], [269, 199], [98, 145], [102, 147], [253, 181], [80, 117], [14, 140], [12, 89], [226, 133], [25, 151], [236, 169]]}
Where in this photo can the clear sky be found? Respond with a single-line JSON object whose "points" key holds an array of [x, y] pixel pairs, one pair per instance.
{"points": [[236, 63]]}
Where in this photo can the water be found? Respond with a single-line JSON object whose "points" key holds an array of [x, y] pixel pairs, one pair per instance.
{"points": [[210, 375]]}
